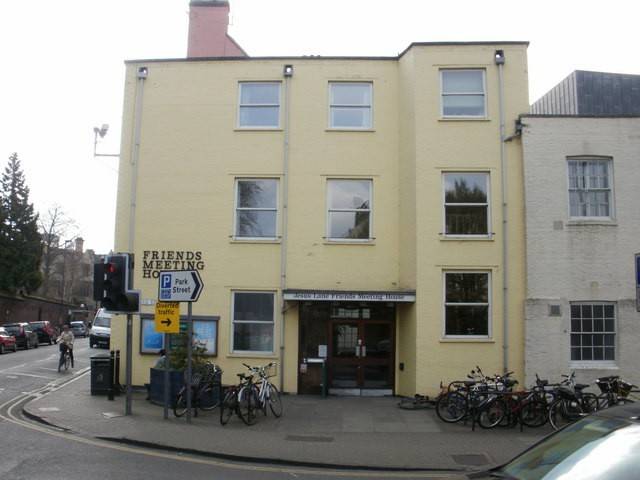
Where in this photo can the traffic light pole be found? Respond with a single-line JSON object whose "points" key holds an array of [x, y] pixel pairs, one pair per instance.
{"points": [[127, 409]]}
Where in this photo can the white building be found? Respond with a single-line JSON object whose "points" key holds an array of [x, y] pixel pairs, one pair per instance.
{"points": [[582, 196]]}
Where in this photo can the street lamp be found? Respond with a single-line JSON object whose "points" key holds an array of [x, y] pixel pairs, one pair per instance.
{"points": [[102, 131]]}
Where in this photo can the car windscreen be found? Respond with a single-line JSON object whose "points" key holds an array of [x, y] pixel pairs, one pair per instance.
{"points": [[102, 322], [12, 330], [595, 448]]}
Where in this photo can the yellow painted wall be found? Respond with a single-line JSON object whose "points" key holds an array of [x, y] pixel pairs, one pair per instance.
{"points": [[191, 153]]}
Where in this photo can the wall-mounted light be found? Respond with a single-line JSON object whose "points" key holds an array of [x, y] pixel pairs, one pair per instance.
{"points": [[288, 71], [499, 57], [143, 72]]}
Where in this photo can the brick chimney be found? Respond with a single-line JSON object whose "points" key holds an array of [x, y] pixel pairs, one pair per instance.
{"points": [[208, 24], [79, 245]]}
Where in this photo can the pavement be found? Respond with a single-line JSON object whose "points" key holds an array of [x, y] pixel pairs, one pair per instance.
{"points": [[334, 432]]}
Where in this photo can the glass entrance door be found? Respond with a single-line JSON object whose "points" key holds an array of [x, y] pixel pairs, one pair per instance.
{"points": [[361, 355]]}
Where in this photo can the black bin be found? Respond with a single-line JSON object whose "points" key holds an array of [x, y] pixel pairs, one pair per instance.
{"points": [[101, 375]]}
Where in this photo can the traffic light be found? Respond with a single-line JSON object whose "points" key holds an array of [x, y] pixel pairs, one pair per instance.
{"points": [[112, 282]]}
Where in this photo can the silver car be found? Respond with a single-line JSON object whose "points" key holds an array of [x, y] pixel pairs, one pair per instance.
{"points": [[78, 329]]}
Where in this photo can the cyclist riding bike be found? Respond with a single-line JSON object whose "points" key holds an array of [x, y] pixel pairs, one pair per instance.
{"points": [[65, 340]]}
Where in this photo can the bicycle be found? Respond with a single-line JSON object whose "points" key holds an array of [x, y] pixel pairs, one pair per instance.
{"points": [[267, 392], [614, 391], [65, 358], [205, 384], [572, 403], [241, 403]]}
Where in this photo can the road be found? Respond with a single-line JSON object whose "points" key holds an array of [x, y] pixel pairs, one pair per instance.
{"points": [[33, 451]]}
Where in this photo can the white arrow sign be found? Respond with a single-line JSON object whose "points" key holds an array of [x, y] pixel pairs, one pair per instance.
{"points": [[180, 286]]}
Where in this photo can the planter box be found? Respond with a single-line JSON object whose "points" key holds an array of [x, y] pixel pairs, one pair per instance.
{"points": [[176, 381], [156, 388]]}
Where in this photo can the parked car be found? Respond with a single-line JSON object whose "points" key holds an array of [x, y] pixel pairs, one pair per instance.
{"points": [[603, 446], [100, 333], [46, 332], [78, 329], [25, 337], [7, 341]]}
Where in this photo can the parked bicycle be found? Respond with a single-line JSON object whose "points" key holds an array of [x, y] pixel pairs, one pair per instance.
{"points": [[267, 393], [206, 391], [244, 405], [614, 391], [572, 403]]}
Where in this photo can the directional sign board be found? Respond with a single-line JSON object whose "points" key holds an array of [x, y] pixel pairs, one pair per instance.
{"points": [[167, 317], [179, 286]]}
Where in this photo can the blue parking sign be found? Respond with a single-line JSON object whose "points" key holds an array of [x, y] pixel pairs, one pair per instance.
{"points": [[165, 280]]}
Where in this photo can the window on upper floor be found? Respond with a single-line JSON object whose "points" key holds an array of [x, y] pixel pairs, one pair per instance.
{"points": [[259, 105], [350, 105], [590, 188], [593, 332], [253, 322], [463, 93], [256, 208], [349, 209], [467, 304], [466, 204]]}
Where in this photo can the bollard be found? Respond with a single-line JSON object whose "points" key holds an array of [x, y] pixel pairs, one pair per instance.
{"points": [[117, 385], [111, 368]]}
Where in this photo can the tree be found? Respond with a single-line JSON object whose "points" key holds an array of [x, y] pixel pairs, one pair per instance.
{"points": [[20, 242], [54, 225]]}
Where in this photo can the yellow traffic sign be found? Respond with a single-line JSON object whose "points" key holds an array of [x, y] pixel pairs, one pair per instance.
{"points": [[167, 317]]}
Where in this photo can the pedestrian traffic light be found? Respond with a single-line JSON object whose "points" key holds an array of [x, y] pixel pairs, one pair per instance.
{"points": [[112, 284]]}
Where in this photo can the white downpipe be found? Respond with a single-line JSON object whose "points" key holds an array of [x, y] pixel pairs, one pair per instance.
{"points": [[285, 205], [505, 231], [135, 154]]}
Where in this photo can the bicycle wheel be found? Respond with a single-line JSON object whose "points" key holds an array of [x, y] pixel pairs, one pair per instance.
{"points": [[67, 361], [534, 413], [248, 404], [206, 399], [491, 414], [228, 405], [563, 412], [589, 403], [275, 402], [451, 407], [180, 404]]}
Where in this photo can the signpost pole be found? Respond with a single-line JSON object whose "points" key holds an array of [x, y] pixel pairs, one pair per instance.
{"points": [[166, 376], [189, 360], [127, 408]]}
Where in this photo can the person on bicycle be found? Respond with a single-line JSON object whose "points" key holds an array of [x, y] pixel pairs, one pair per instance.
{"points": [[65, 340]]}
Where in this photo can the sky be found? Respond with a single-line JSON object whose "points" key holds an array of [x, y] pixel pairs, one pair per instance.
{"points": [[62, 67]]}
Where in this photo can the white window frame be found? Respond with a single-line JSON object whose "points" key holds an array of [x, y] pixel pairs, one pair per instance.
{"points": [[234, 322], [236, 208], [258, 105], [595, 363], [592, 158], [483, 93], [328, 237], [340, 105], [445, 205], [488, 304]]}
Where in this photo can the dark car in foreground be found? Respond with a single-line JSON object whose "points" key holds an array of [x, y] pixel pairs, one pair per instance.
{"points": [[602, 446], [46, 332], [7, 341], [25, 337]]}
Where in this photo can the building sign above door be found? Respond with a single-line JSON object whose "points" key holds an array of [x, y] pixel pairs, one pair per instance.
{"points": [[346, 296]]}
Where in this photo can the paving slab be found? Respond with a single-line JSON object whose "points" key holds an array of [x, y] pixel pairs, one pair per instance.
{"points": [[338, 431]]}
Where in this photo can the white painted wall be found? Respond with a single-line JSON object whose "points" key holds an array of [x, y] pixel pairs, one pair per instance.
{"points": [[569, 261]]}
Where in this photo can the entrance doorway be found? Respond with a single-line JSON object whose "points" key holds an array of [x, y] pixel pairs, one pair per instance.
{"points": [[354, 342], [361, 355]]}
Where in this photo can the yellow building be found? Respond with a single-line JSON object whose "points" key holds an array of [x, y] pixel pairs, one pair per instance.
{"points": [[345, 210]]}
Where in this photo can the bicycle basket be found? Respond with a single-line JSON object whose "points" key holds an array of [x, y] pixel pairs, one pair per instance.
{"points": [[624, 388], [271, 370], [607, 384]]}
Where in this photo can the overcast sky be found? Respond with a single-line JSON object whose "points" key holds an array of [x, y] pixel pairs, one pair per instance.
{"points": [[62, 66]]}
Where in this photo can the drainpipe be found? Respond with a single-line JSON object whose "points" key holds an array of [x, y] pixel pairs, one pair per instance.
{"points": [[499, 59], [135, 154], [288, 73]]}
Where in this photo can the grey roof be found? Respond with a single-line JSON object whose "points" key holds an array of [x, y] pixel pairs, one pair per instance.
{"points": [[587, 93]]}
